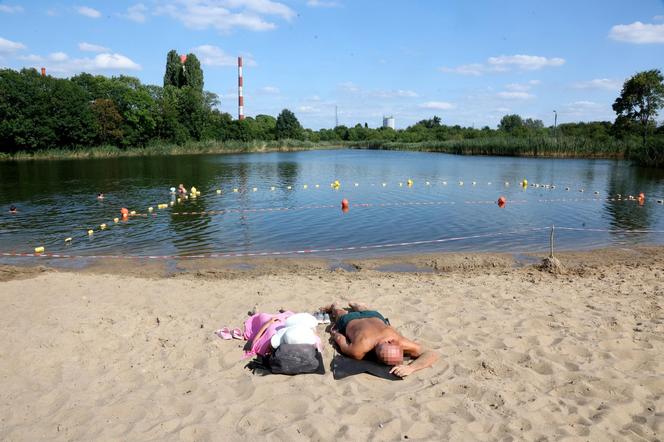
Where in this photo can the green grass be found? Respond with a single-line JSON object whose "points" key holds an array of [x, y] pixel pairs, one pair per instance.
{"points": [[163, 149], [562, 147]]}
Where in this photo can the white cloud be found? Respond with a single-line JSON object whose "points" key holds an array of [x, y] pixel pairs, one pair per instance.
{"points": [[58, 56], [270, 90], [89, 47], [225, 15], [60, 62], [600, 83], [308, 109], [211, 55], [9, 47], [505, 63], [32, 58], [399, 93], [517, 87], [349, 86], [9, 9], [639, 33], [136, 13], [322, 4], [523, 62], [214, 56], [475, 69], [437, 105], [88, 12], [515, 95]]}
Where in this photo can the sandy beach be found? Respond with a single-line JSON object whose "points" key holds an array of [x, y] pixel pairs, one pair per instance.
{"points": [[117, 351]]}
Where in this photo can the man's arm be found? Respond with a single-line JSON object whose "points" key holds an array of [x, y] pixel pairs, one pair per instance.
{"points": [[356, 350], [424, 358]]}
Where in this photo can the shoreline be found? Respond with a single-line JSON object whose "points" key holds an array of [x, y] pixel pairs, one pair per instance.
{"points": [[575, 261], [464, 148], [130, 353]]}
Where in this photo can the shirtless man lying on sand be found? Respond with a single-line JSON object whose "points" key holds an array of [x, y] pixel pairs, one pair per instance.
{"points": [[361, 330]]}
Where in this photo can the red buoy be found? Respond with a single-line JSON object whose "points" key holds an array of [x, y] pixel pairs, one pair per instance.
{"points": [[502, 201], [642, 198], [125, 212], [344, 204]]}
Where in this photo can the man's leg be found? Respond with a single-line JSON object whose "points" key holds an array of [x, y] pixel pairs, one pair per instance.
{"points": [[358, 306], [334, 312]]}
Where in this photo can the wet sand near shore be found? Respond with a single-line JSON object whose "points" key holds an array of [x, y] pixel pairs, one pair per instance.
{"points": [[126, 351]]}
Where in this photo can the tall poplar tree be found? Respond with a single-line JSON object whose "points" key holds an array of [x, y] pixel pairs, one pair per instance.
{"points": [[173, 75]]}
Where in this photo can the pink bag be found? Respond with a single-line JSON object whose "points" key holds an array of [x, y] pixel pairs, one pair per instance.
{"points": [[254, 323]]}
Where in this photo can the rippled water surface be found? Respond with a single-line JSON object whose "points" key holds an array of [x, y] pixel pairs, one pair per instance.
{"points": [[57, 200]]}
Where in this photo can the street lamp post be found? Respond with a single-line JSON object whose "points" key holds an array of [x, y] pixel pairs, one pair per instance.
{"points": [[555, 122]]}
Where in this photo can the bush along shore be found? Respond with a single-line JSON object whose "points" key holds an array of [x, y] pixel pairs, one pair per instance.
{"points": [[548, 147]]}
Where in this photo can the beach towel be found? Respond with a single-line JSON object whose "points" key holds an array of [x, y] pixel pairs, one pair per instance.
{"points": [[343, 366]]}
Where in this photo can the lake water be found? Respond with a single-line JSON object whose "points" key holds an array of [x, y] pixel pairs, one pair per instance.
{"points": [[57, 200]]}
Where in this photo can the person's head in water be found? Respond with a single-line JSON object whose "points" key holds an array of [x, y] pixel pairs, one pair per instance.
{"points": [[389, 353], [12, 209]]}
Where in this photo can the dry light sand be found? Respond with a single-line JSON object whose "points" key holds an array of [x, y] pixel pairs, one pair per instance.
{"points": [[128, 354]]}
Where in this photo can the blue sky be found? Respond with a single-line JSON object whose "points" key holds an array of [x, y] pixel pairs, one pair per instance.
{"points": [[469, 62]]}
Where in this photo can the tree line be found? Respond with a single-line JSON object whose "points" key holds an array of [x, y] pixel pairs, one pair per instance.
{"points": [[43, 112]]}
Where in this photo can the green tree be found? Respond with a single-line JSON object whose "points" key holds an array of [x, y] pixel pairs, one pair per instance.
{"points": [[640, 99], [109, 121], [192, 74], [511, 124], [287, 126], [173, 75]]}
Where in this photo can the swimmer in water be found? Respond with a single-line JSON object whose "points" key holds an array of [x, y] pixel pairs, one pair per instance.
{"points": [[100, 196], [182, 190], [13, 209]]}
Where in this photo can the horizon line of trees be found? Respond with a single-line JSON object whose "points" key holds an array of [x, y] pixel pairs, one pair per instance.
{"points": [[42, 112]]}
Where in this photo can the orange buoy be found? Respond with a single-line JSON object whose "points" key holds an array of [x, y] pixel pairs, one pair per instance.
{"points": [[502, 201], [125, 212], [344, 204]]}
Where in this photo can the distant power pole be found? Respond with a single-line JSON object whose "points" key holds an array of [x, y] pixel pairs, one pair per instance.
{"points": [[555, 122], [336, 116]]}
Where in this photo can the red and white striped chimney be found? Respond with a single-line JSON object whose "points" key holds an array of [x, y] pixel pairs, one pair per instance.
{"points": [[240, 94]]}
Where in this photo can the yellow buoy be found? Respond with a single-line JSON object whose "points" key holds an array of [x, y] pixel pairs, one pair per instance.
{"points": [[116, 220], [193, 190], [524, 183], [218, 191], [133, 212], [150, 209], [289, 187], [409, 182], [235, 190], [172, 203], [305, 186], [90, 232], [39, 249], [68, 239], [255, 189], [102, 226]]}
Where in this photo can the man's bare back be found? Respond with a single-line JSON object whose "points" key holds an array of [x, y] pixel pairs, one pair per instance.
{"points": [[362, 330]]}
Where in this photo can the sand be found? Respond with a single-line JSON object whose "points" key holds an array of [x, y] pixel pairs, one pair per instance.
{"points": [[130, 354]]}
